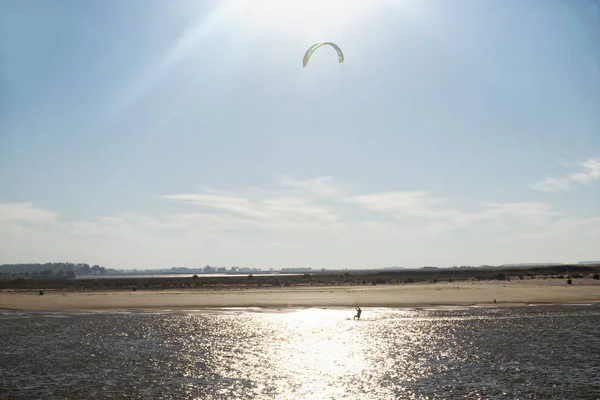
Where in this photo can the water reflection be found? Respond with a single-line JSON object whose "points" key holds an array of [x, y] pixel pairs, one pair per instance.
{"points": [[321, 354], [304, 354]]}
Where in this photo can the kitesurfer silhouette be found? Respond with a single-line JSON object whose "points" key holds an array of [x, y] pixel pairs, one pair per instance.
{"points": [[358, 311]]}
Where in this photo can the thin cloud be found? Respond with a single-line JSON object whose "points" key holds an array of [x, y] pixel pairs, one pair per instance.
{"points": [[415, 210], [275, 211], [322, 186], [549, 184], [290, 227], [407, 203], [438, 215], [26, 212], [590, 172]]}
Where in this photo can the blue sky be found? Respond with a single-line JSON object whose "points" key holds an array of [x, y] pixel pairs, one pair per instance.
{"points": [[147, 134]]}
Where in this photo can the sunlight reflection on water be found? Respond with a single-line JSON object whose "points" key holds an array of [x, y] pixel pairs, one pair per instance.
{"points": [[303, 354]]}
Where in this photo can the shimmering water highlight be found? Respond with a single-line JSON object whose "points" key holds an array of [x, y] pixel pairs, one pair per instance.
{"points": [[517, 352]]}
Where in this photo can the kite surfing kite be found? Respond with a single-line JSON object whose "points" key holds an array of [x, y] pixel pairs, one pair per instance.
{"points": [[315, 46]]}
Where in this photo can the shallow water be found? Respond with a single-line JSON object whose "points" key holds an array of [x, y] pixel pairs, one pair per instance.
{"points": [[521, 352], [200, 275]]}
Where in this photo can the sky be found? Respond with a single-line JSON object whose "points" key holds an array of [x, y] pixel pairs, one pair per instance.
{"points": [[158, 134]]}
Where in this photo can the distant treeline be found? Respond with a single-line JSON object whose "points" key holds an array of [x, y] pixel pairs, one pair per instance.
{"points": [[491, 272], [82, 269], [55, 269], [364, 277], [185, 270], [69, 270]]}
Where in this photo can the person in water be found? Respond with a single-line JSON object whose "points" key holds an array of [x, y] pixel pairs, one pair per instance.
{"points": [[358, 311]]}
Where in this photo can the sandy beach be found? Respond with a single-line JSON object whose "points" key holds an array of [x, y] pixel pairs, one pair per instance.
{"points": [[550, 291]]}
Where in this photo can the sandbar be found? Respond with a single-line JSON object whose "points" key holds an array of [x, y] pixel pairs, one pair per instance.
{"points": [[466, 293]]}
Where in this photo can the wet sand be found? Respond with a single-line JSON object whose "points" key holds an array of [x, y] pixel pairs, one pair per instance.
{"points": [[548, 291]]}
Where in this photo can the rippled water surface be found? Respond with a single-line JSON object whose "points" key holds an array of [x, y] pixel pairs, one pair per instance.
{"points": [[523, 352]]}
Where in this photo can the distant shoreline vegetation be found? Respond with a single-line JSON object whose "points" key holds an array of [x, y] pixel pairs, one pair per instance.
{"points": [[63, 276], [70, 270]]}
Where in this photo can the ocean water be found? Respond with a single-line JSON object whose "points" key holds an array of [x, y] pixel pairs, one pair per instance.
{"points": [[536, 352]]}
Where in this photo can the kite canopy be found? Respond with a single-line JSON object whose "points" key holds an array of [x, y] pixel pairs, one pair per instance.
{"points": [[315, 46]]}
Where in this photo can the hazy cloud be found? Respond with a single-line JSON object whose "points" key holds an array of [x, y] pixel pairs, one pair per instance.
{"points": [[590, 172], [322, 186], [25, 212], [549, 184], [274, 212], [310, 223]]}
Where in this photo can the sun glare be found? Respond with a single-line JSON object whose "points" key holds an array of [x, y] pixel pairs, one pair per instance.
{"points": [[303, 17], [325, 342]]}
